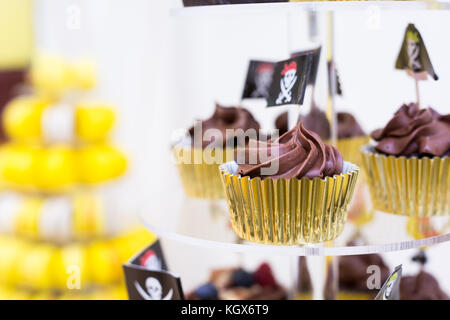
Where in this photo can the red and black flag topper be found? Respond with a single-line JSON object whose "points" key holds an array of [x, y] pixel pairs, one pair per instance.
{"points": [[147, 278], [289, 81], [413, 56], [258, 80], [314, 63]]}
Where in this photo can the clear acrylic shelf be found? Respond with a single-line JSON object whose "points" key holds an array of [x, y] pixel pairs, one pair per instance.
{"points": [[309, 5], [205, 223]]}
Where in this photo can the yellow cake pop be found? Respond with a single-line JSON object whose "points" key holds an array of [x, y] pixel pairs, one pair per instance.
{"points": [[93, 120], [56, 168], [22, 118], [99, 163]]}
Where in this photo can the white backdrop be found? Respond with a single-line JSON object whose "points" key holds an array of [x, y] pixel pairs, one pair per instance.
{"points": [[163, 72]]}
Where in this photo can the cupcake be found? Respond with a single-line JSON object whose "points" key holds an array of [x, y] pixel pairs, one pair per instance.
{"points": [[291, 190], [198, 156], [422, 286], [351, 137], [239, 284], [408, 167], [353, 276]]}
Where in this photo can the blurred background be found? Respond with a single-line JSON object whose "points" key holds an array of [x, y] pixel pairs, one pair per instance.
{"points": [[139, 73]]}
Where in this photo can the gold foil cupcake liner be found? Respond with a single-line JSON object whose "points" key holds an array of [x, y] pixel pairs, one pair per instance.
{"points": [[288, 212], [199, 170], [418, 187]]}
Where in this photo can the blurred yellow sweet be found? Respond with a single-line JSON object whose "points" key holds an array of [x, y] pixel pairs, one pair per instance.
{"points": [[82, 74], [22, 118], [88, 215], [56, 168], [27, 218], [53, 76], [10, 251], [100, 163], [132, 242], [104, 263], [50, 75], [74, 273], [33, 119], [18, 165], [93, 120], [36, 267]]}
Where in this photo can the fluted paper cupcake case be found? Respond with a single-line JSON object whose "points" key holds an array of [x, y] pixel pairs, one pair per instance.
{"points": [[288, 212], [418, 187], [201, 179]]}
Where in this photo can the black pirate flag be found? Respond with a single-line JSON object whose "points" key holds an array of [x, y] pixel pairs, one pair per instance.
{"points": [[314, 63], [259, 78], [147, 277], [289, 81], [391, 288], [413, 56]]}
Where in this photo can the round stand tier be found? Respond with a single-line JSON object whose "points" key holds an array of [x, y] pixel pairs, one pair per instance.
{"points": [[309, 5], [206, 224]]}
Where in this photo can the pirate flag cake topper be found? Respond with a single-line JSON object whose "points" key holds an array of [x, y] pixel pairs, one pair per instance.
{"points": [[289, 81], [413, 56], [315, 59], [147, 277], [259, 78]]}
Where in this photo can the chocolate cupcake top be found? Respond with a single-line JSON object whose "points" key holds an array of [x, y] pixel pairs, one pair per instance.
{"points": [[422, 286], [414, 131], [281, 123], [348, 127], [225, 118], [317, 121], [353, 271], [296, 154]]}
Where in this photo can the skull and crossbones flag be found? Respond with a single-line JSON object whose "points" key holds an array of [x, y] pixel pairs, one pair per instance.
{"points": [[147, 278], [314, 63], [289, 81], [413, 56], [258, 80]]}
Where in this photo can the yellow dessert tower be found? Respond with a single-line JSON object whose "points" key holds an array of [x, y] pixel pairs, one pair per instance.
{"points": [[60, 235]]}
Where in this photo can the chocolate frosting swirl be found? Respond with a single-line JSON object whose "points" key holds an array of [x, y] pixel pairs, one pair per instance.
{"points": [[317, 121], [299, 153], [353, 271], [225, 118], [414, 131], [281, 123]]}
